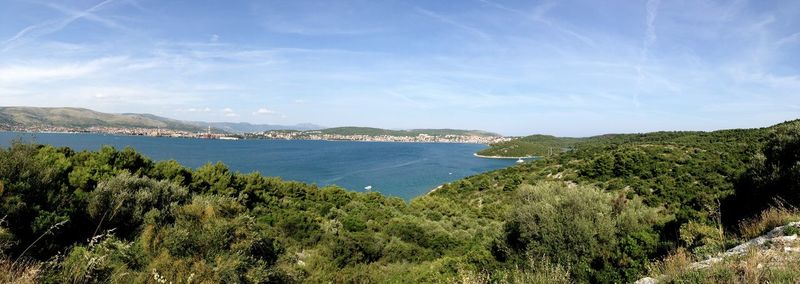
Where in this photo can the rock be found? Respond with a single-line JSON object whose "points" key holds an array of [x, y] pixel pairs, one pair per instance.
{"points": [[646, 280], [768, 244]]}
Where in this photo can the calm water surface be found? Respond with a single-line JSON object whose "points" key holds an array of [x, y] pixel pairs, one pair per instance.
{"points": [[404, 170]]}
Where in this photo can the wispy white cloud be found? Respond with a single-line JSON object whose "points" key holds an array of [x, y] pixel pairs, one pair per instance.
{"points": [[450, 21], [192, 109], [46, 71], [54, 25], [650, 26], [668, 66], [790, 39], [88, 15], [538, 15], [340, 19], [228, 112], [288, 28], [651, 12], [264, 111]]}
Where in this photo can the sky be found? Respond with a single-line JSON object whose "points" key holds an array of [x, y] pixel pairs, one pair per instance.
{"points": [[568, 68]]}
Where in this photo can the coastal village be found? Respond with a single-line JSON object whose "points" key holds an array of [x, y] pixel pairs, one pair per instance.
{"points": [[273, 135], [420, 138], [131, 131]]}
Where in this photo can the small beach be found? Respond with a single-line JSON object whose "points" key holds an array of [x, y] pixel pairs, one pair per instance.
{"points": [[501, 157]]}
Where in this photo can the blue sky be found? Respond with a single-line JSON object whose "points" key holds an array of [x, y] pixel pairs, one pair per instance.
{"points": [[515, 67]]}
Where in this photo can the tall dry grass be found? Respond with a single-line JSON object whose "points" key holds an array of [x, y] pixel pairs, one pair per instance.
{"points": [[767, 220], [19, 272]]}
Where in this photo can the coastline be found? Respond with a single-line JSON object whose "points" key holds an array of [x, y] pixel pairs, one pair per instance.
{"points": [[502, 157], [485, 157], [244, 138], [435, 189]]}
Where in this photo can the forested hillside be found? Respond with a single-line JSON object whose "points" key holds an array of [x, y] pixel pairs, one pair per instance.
{"points": [[603, 211], [530, 146]]}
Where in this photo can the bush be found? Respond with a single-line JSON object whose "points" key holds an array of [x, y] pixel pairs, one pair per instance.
{"points": [[122, 202], [774, 177], [582, 228], [702, 239]]}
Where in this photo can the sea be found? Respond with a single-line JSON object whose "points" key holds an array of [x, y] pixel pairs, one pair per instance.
{"points": [[404, 170]]}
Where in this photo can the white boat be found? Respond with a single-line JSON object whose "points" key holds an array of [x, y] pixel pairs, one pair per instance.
{"points": [[520, 161], [368, 188]]}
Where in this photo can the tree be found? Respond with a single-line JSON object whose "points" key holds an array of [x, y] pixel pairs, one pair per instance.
{"points": [[601, 237], [123, 201], [773, 178]]}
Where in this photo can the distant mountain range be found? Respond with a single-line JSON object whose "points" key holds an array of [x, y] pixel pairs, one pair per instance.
{"points": [[85, 118], [244, 127]]}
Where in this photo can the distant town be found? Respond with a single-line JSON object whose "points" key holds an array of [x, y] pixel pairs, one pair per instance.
{"points": [[273, 135], [420, 138], [131, 131]]}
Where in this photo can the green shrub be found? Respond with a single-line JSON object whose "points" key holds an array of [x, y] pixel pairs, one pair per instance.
{"points": [[701, 239], [791, 230], [600, 238], [123, 201]]}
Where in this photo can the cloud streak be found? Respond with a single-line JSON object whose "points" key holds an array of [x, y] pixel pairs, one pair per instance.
{"points": [[264, 111], [516, 68], [23, 74], [52, 26], [651, 12], [538, 16], [454, 23], [228, 112]]}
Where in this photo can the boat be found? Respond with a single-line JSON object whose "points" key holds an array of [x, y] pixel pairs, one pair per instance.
{"points": [[520, 161]]}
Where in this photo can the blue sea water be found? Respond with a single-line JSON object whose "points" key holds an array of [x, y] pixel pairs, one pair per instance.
{"points": [[404, 170]]}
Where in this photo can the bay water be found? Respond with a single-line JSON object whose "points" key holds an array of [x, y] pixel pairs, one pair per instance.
{"points": [[404, 170]]}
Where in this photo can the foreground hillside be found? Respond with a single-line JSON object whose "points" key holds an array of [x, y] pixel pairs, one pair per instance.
{"points": [[607, 210]]}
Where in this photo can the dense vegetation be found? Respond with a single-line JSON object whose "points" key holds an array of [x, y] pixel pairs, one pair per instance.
{"points": [[530, 146], [601, 212]]}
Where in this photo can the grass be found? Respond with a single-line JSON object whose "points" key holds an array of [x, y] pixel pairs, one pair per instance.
{"points": [[22, 272], [770, 264], [752, 267], [537, 271], [767, 220]]}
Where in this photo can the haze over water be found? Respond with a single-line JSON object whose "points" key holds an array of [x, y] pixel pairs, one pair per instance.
{"points": [[404, 170]]}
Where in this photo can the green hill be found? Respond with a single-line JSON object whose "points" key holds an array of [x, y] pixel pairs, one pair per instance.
{"points": [[533, 145], [84, 118]]}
